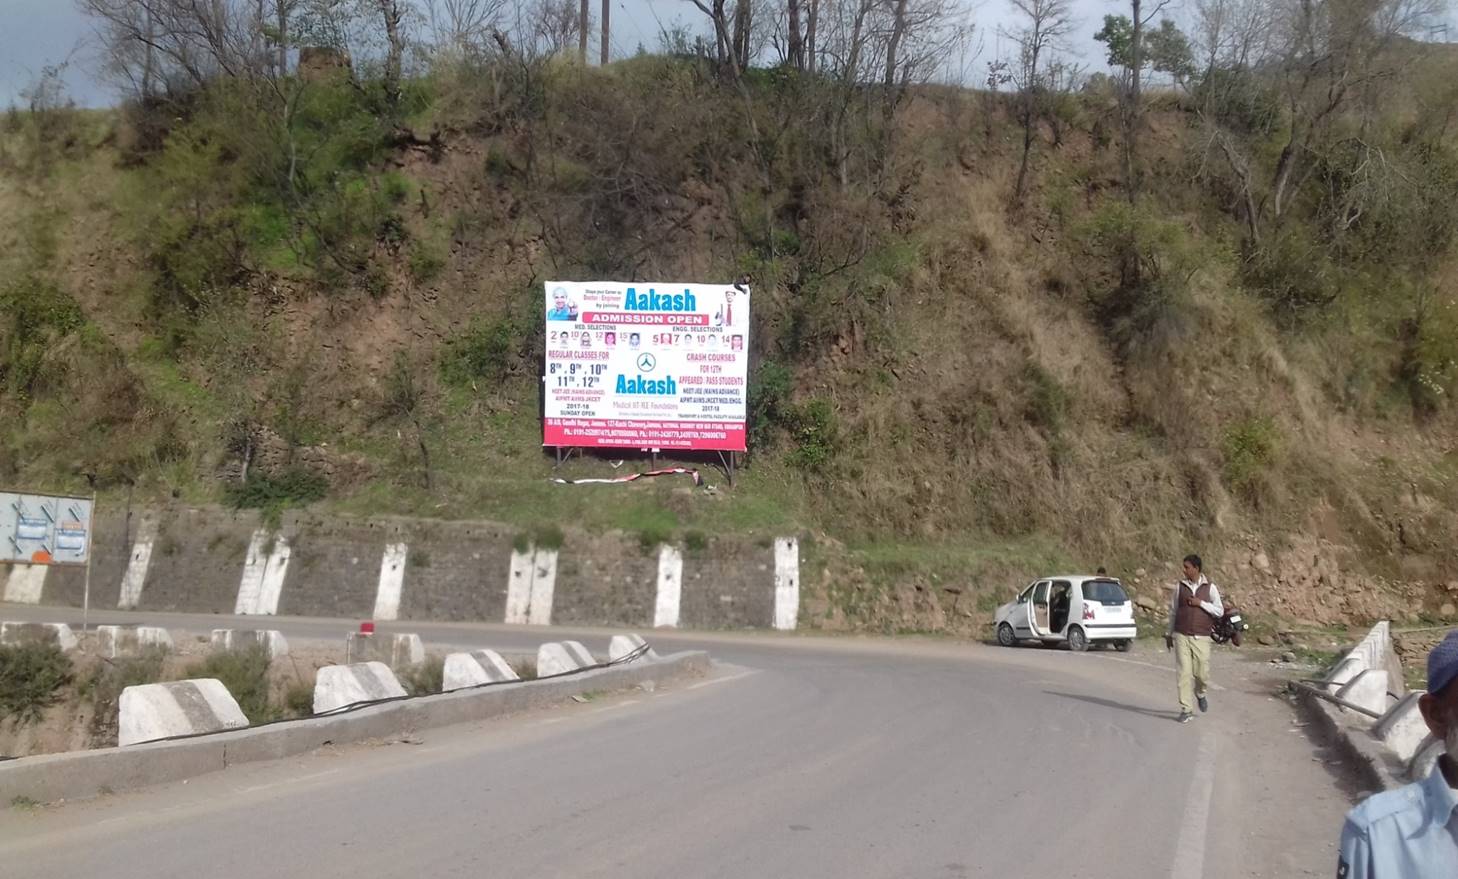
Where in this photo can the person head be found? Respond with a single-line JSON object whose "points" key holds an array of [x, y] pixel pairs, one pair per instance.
{"points": [[1439, 704], [1193, 567], [559, 299], [737, 343], [587, 340], [633, 339], [610, 338], [1101, 572]]}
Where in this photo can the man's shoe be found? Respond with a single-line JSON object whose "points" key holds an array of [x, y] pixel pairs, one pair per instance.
{"points": [[1186, 717], [1204, 704]]}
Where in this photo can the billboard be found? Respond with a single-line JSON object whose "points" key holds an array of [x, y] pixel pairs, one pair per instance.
{"points": [[645, 365], [43, 529]]}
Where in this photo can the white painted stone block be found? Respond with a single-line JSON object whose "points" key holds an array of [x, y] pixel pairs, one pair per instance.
{"points": [[263, 575], [562, 657], [398, 650], [114, 641], [519, 588], [624, 645], [475, 668], [544, 585], [150, 712], [135, 577], [272, 640], [1367, 689], [25, 584], [670, 587], [530, 586], [392, 581], [1351, 665], [58, 634], [1402, 729], [336, 686], [787, 582]]}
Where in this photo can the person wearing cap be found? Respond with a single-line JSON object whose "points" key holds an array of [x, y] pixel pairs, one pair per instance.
{"points": [[1413, 831], [1192, 619]]}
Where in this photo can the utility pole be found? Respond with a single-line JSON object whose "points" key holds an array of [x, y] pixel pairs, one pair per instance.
{"points": [[582, 24], [606, 8]]}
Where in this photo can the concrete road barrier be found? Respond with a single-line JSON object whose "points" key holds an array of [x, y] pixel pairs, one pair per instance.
{"points": [[624, 645], [115, 641], [58, 634], [1422, 762], [47, 778], [396, 651], [1371, 652], [561, 657], [1402, 729], [1367, 689], [271, 640], [336, 686], [177, 708], [472, 669]]}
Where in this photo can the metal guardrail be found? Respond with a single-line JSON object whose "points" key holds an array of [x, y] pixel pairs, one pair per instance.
{"points": [[1304, 686]]}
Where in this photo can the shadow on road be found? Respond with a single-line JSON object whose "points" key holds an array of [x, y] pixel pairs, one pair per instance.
{"points": [[1109, 703]]}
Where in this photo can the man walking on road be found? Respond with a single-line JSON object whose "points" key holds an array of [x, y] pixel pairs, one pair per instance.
{"points": [[1192, 619], [1413, 831]]}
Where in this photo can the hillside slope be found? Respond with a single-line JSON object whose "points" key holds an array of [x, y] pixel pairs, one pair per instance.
{"points": [[950, 393]]}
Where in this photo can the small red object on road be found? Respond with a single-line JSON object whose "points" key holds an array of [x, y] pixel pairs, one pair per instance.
{"points": [[367, 628]]}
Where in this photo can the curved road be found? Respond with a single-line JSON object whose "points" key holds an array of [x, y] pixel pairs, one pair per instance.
{"points": [[797, 757]]}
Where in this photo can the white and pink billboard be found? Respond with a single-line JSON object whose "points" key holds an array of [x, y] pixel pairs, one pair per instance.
{"points": [[646, 365]]}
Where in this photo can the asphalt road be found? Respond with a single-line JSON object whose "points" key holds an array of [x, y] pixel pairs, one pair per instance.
{"points": [[799, 757]]}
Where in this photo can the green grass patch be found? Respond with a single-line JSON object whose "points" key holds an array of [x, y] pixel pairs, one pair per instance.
{"points": [[424, 678], [245, 674], [32, 677]]}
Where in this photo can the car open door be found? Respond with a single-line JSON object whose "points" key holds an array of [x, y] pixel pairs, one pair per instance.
{"points": [[1038, 610], [1021, 617]]}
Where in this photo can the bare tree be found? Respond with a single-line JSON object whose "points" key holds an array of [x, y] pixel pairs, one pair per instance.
{"points": [[812, 22], [1046, 23], [796, 55], [463, 27], [1322, 56], [584, 23], [392, 16], [551, 27]]}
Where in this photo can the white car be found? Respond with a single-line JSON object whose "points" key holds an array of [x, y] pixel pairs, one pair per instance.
{"points": [[1077, 610]]}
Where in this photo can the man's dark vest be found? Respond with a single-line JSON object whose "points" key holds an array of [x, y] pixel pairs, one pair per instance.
{"points": [[1194, 620]]}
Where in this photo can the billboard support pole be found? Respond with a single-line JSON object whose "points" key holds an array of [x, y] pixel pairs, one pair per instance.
{"points": [[86, 588]]}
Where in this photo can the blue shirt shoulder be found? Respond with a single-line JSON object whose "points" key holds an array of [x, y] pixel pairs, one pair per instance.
{"points": [[1388, 804]]}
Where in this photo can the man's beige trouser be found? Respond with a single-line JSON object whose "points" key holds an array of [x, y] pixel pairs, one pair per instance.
{"points": [[1192, 657]]}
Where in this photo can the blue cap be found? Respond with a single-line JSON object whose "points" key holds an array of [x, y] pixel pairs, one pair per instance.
{"points": [[1443, 663]]}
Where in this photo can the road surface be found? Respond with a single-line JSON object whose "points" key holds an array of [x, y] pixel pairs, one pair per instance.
{"points": [[798, 757]]}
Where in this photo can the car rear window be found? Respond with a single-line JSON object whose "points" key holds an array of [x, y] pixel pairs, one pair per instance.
{"points": [[1104, 591]]}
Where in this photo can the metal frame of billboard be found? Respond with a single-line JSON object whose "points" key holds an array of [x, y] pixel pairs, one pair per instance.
{"points": [[34, 521]]}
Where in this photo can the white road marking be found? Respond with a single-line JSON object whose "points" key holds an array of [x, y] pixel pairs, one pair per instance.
{"points": [[1165, 668], [1189, 857], [725, 680]]}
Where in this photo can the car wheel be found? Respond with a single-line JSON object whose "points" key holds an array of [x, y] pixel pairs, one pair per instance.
{"points": [[1124, 645], [1077, 640], [1005, 636]]}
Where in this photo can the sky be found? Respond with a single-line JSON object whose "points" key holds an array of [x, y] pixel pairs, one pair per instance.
{"points": [[40, 32]]}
